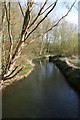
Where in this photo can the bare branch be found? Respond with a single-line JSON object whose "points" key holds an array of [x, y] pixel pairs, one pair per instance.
{"points": [[29, 42], [61, 18], [10, 35], [8, 20], [21, 9], [46, 9], [5, 78], [76, 8], [26, 19], [38, 14], [25, 24], [12, 71], [23, 38], [19, 45], [42, 19], [3, 13], [11, 41], [57, 21]]}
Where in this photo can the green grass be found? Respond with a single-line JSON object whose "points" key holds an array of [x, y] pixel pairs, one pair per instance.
{"points": [[26, 70], [26, 66], [62, 59]]}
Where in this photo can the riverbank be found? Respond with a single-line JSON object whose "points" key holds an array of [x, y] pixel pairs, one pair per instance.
{"points": [[44, 93], [27, 70], [13, 82], [71, 72]]}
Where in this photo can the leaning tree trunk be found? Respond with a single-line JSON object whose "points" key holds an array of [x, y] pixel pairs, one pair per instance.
{"points": [[10, 69]]}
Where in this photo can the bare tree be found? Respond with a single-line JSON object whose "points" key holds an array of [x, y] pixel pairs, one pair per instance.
{"points": [[11, 70]]}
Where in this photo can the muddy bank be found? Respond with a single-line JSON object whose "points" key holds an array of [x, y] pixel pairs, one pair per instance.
{"points": [[71, 74]]}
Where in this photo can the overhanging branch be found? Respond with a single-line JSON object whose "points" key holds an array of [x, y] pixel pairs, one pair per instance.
{"points": [[12, 71], [61, 18], [58, 20], [47, 9], [21, 9], [39, 13], [42, 19], [5, 78]]}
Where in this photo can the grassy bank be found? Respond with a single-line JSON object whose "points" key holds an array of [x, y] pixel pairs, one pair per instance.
{"points": [[28, 67], [72, 74]]}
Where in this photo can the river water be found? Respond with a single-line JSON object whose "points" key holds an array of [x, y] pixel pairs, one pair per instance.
{"points": [[43, 94]]}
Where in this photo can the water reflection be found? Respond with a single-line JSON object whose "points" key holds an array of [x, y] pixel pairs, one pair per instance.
{"points": [[44, 93]]}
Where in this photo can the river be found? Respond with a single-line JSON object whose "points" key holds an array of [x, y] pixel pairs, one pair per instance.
{"points": [[43, 94]]}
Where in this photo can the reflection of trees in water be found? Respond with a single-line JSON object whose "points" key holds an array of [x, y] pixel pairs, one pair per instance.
{"points": [[40, 63], [48, 70]]}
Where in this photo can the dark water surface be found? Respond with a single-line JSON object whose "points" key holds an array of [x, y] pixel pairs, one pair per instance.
{"points": [[44, 93]]}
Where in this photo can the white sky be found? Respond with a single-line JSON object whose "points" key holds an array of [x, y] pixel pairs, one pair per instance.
{"points": [[72, 16]]}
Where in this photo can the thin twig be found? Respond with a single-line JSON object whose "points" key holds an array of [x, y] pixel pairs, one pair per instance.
{"points": [[21, 9], [42, 19], [39, 13], [61, 18], [46, 9]]}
